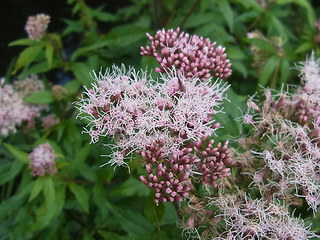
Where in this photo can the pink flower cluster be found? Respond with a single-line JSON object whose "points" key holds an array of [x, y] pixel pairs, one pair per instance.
{"points": [[36, 26], [42, 160], [13, 111], [139, 110], [289, 124], [163, 119], [189, 54]]}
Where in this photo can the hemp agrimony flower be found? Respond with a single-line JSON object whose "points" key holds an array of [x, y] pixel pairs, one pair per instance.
{"points": [[42, 160], [36, 26], [167, 121]]}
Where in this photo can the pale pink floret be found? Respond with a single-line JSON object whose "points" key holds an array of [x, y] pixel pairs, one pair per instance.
{"points": [[42, 160]]}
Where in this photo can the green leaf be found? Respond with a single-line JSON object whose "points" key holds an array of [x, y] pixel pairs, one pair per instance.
{"points": [[132, 222], [27, 56], [81, 72], [131, 187], [154, 213], [99, 195], [23, 42], [284, 70], [106, 17], [43, 97], [37, 187], [267, 70], [45, 212], [240, 67], [60, 199], [111, 236], [235, 53], [37, 68], [81, 51], [72, 26], [81, 195], [72, 87], [80, 157], [303, 3], [125, 35], [20, 155], [49, 54], [15, 169], [260, 43], [227, 13], [304, 47]]}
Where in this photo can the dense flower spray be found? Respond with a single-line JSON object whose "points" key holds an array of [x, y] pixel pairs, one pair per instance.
{"points": [[14, 112], [286, 127], [36, 26], [167, 121], [42, 160], [246, 218]]}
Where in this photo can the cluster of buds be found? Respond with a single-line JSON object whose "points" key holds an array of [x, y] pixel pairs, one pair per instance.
{"points": [[42, 160], [189, 54], [171, 178], [36, 26]]}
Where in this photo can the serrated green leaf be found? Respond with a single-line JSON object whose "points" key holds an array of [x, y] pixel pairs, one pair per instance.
{"points": [[81, 196], [227, 13], [27, 56], [49, 54], [267, 70], [154, 213], [132, 222], [20, 155], [23, 42], [44, 97], [37, 188]]}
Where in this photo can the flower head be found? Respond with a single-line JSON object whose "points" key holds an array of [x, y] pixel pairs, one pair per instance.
{"points": [[42, 160], [36, 26]]}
